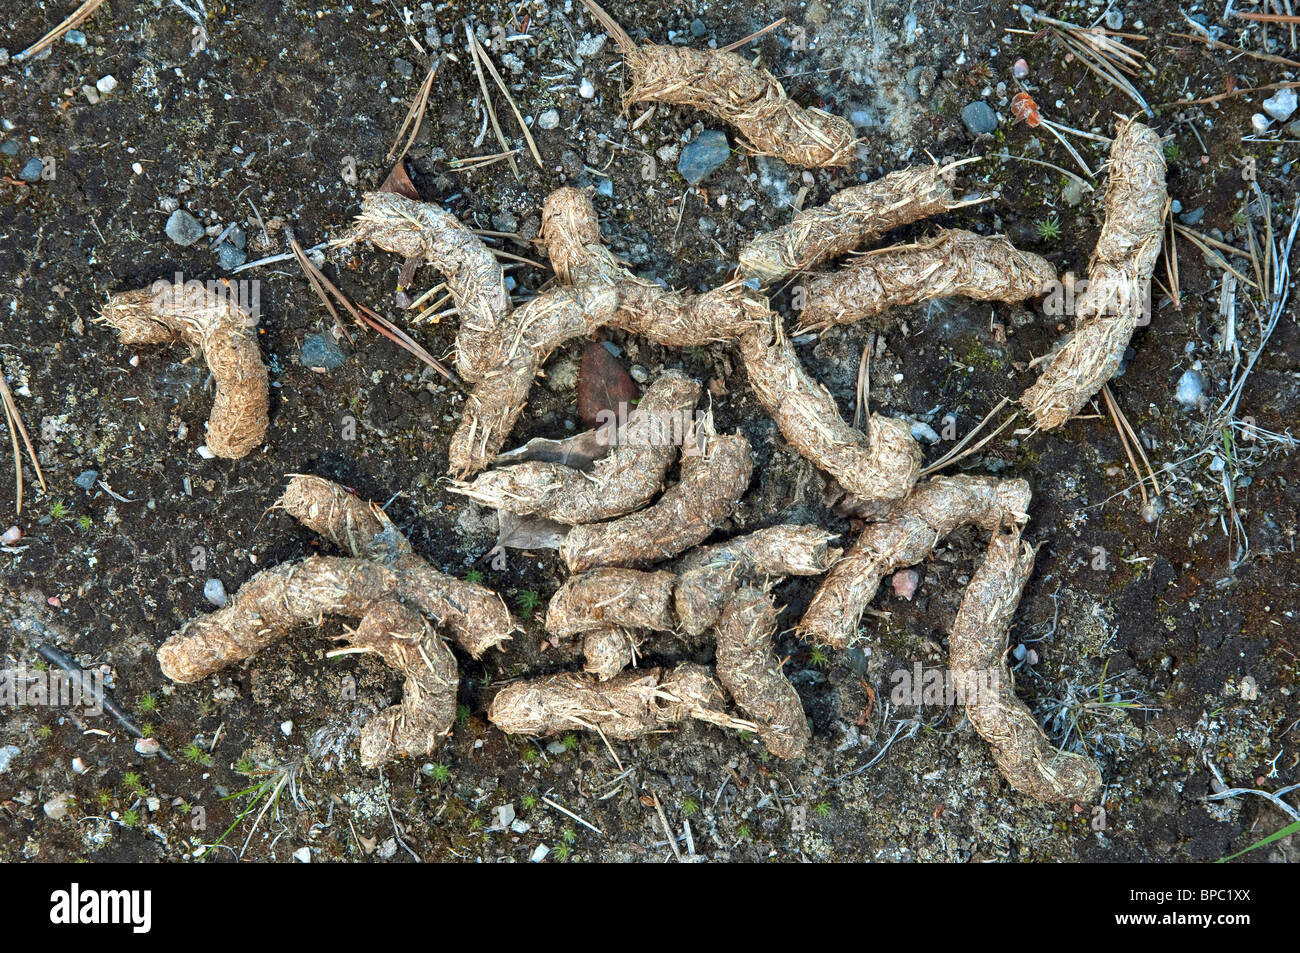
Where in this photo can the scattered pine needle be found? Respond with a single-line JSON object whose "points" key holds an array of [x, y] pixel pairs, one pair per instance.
{"points": [[366, 316], [963, 449], [752, 37], [415, 115], [75, 19], [1267, 17], [505, 91], [15, 422], [1220, 45], [487, 99]]}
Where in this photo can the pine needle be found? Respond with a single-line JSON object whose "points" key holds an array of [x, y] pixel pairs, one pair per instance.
{"points": [[74, 19], [15, 422]]}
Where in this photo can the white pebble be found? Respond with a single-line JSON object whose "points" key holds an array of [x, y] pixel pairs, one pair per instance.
{"points": [[215, 592], [56, 808], [149, 747], [203, 451], [586, 90], [106, 84], [287, 728], [1259, 122], [302, 855], [11, 536], [539, 854], [1281, 104], [78, 766]]}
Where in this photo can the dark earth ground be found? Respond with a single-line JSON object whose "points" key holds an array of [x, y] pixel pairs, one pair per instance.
{"points": [[266, 116]]}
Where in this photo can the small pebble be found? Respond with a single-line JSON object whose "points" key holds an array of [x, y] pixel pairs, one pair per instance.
{"points": [[905, 582], [75, 37], [9, 148], [287, 728], [147, 747], [215, 592], [183, 228], [31, 172], [203, 451], [106, 84], [704, 156], [548, 120], [1281, 104], [586, 89], [302, 855], [1259, 122], [86, 479], [11, 536], [605, 187], [79, 766], [1020, 69], [698, 28], [56, 808], [229, 257], [979, 118], [923, 431], [1193, 217], [539, 854], [1191, 389], [321, 350], [1114, 19]]}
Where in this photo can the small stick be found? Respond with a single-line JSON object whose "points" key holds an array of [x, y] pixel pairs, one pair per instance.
{"points": [[663, 819], [415, 115], [753, 36], [505, 91], [565, 810], [74, 19]]}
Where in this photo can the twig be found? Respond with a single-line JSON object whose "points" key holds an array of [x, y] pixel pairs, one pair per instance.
{"points": [[752, 37], [663, 819], [49, 39], [565, 810], [415, 114], [16, 428], [505, 91]]}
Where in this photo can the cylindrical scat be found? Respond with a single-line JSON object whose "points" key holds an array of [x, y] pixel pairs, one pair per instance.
{"points": [[907, 532], [268, 607], [977, 653], [631, 598], [475, 280], [681, 319], [608, 651], [476, 616], [715, 473], [212, 322], [626, 706], [882, 463], [850, 219], [951, 263], [708, 576], [752, 675], [520, 349], [401, 637], [627, 478], [1118, 295], [728, 86]]}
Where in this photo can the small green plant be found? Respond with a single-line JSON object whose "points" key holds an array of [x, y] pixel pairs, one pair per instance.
{"points": [[1049, 229], [195, 755], [527, 601], [103, 798], [58, 510], [698, 354], [440, 772], [147, 703], [130, 817], [474, 576], [568, 835], [529, 755], [475, 823], [570, 742], [744, 833], [690, 806], [131, 781], [819, 657], [462, 714], [822, 808], [185, 807], [1172, 152], [529, 801], [244, 765], [146, 729], [85, 522], [562, 852], [44, 732]]}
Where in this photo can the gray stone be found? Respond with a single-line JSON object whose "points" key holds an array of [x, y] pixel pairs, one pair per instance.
{"points": [[1191, 389], [403, 67], [1193, 217], [87, 479], [698, 28], [75, 37], [548, 120], [1072, 192], [229, 257], [9, 148], [704, 156], [1281, 104], [31, 172], [1114, 19], [215, 592], [320, 350], [979, 118], [183, 228]]}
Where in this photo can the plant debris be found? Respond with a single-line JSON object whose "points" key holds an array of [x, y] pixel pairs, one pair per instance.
{"points": [[978, 650], [213, 324], [740, 94], [903, 534], [951, 262], [1118, 295]]}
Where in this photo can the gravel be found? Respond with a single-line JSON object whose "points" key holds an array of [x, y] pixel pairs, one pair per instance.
{"points": [[183, 228], [979, 118], [704, 156]]}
